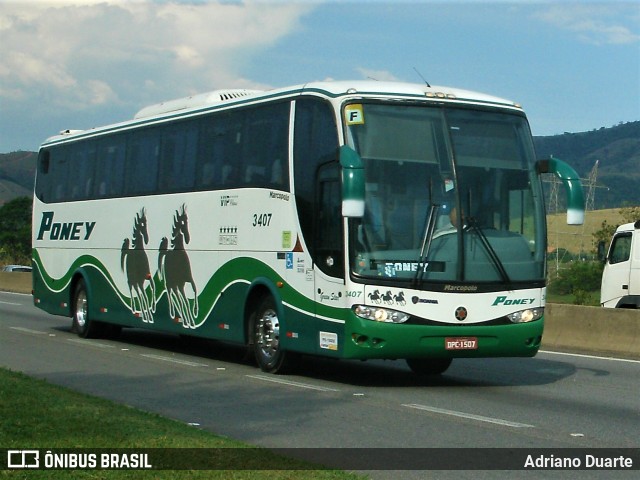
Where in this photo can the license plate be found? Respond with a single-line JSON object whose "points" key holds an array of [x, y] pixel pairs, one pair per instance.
{"points": [[461, 343]]}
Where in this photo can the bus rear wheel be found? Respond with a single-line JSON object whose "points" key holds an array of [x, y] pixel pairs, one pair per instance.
{"points": [[429, 366], [82, 325], [265, 329]]}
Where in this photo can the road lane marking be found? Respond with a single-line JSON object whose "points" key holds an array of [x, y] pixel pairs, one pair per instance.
{"points": [[613, 359], [480, 418], [10, 303], [292, 384], [28, 330], [16, 293], [173, 360], [89, 342]]}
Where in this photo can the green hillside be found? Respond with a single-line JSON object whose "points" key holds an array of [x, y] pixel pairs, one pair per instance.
{"points": [[617, 151], [17, 171]]}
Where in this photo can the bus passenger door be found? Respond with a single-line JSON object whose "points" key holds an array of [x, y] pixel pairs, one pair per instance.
{"points": [[329, 249], [329, 257]]}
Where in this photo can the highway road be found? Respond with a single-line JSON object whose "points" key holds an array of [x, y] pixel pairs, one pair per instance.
{"points": [[554, 400]]}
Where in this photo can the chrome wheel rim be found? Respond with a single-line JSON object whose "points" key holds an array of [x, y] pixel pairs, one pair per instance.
{"points": [[268, 333], [81, 309]]}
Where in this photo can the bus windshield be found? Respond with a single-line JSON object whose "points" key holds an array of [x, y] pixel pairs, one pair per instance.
{"points": [[451, 195]]}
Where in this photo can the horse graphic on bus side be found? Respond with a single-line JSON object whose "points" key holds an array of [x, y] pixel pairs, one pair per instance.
{"points": [[174, 268], [135, 264]]}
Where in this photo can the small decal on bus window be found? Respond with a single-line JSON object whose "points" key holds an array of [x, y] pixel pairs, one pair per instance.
{"points": [[289, 261], [448, 185], [329, 341], [354, 115]]}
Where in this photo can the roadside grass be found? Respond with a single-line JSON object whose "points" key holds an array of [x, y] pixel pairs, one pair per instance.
{"points": [[38, 415]]}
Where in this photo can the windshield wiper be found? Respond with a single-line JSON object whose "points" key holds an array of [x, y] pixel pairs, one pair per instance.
{"points": [[427, 237], [473, 226]]}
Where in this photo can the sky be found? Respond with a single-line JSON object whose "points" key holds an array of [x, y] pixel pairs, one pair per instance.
{"points": [[78, 64]]}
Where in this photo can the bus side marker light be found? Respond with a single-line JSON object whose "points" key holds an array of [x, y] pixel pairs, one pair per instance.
{"points": [[223, 326], [279, 284], [104, 310]]}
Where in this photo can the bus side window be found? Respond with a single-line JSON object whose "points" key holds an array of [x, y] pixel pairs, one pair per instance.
{"points": [[110, 168], [264, 142], [277, 174], [59, 175], [178, 158], [81, 165], [142, 163], [43, 179]]}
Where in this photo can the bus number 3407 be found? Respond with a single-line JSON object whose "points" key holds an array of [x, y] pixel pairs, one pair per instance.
{"points": [[261, 219]]}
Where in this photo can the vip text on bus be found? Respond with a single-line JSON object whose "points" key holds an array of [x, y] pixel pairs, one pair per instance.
{"points": [[360, 220]]}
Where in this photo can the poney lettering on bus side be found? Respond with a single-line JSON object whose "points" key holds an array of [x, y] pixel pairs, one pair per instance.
{"points": [[503, 300], [64, 230]]}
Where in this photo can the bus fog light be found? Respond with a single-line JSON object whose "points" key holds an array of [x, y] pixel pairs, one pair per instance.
{"points": [[525, 316], [378, 314]]}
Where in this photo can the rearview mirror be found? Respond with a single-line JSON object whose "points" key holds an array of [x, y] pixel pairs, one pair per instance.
{"points": [[572, 185], [352, 182]]}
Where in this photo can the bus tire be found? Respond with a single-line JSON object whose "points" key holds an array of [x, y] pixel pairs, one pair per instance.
{"points": [[429, 366], [265, 335], [82, 325]]}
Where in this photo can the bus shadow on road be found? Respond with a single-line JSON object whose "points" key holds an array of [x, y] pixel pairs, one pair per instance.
{"points": [[490, 372], [464, 372], [480, 372]]}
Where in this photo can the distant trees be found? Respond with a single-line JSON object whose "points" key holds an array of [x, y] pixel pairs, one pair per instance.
{"points": [[15, 231]]}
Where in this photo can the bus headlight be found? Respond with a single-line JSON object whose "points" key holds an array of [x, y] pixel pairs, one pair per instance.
{"points": [[525, 316], [379, 314]]}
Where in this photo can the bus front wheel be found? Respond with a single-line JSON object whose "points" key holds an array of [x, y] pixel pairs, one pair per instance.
{"points": [[429, 366], [82, 325], [265, 328]]}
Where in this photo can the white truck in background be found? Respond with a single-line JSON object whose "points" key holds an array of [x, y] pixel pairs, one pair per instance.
{"points": [[621, 276]]}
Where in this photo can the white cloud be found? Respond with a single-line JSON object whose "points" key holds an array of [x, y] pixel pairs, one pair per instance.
{"points": [[79, 54], [600, 23]]}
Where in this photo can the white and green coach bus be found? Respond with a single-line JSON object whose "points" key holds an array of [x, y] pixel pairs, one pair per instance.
{"points": [[362, 220]]}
